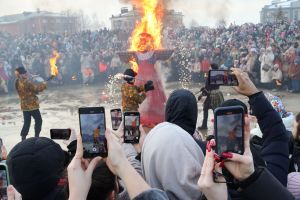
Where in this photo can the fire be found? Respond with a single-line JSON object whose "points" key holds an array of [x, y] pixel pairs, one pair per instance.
{"points": [[147, 34], [52, 62]]}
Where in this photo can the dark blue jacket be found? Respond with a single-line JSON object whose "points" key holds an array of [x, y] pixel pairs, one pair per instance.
{"points": [[275, 146]]}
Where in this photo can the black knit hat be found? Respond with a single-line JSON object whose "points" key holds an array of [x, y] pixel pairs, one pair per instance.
{"points": [[235, 102], [21, 70], [35, 166]]}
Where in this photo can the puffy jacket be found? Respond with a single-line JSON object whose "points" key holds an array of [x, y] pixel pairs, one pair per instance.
{"points": [[263, 185], [275, 145]]}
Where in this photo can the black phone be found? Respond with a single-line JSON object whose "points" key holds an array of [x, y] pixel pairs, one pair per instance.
{"points": [[92, 128], [116, 118], [4, 180], [132, 127], [60, 134], [222, 77], [229, 129]]}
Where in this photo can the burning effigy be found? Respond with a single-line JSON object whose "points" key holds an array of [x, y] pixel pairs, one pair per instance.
{"points": [[145, 50]]}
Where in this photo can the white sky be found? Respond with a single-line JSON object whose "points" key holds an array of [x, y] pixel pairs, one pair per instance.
{"points": [[204, 12]]}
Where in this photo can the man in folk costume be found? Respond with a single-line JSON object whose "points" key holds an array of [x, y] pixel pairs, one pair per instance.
{"points": [[133, 95], [27, 92]]}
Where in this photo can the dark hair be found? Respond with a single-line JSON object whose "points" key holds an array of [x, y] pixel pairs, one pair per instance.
{"points": [[214, 66], [103, 183]]}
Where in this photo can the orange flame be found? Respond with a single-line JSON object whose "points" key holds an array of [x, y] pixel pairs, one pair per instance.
{"points": [[52, 62], [147, 34]]}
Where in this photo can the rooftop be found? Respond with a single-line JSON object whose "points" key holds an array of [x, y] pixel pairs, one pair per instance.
{"points": [[281, 3], [7, 19]]}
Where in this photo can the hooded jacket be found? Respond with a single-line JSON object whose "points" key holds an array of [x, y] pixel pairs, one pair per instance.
{"points": [[182, 110], [172, 162]]}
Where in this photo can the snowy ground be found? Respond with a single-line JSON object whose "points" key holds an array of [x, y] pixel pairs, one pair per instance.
{"points": [[59, 107]]}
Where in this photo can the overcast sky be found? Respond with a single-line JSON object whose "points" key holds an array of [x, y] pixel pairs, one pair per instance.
{"points": [[204, 12]]}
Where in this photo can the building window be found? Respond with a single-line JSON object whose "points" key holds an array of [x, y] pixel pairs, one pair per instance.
{"points": [[45, 21], [58, 20]]}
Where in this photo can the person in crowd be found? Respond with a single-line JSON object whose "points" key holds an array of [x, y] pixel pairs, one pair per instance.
{"points": [[254, 183], [160, 157], [27, 92], [86, 69], [288, 118], [294, 71], [249, 176], [214, 97], [36, 167], [133, 95], [182, 110], [266, 60], [80, 177], [295, 146], [3, 78], [275, 140], [276, 77]]}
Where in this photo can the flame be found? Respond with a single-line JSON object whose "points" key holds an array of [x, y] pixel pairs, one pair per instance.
{"points": [[52, 62], [147, 33]]}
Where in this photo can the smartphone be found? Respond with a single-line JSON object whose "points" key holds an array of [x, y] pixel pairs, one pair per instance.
{"points": [[92, 128], [60, 134], [4, 181], [222, 77], [132, 127], [116, 118], [229, 129]]}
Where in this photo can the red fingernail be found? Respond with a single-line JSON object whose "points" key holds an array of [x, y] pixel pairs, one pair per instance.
{"points": [[222, 165], [217, 157], [227, 155], [208, 147]]}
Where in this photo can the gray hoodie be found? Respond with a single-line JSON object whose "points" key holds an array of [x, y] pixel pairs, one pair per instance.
{"points": [[172, 161]]}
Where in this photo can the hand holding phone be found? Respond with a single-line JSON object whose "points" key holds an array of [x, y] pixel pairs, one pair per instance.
{"points": [[229, 129], [222, 77], [131, 127], [92, 129]]}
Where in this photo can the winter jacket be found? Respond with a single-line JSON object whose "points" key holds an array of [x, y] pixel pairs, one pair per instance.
{"points": [[266, 59], [132, 97], [172, 161], [294, 72], [275, 145], [262, 185], [28, 93]]}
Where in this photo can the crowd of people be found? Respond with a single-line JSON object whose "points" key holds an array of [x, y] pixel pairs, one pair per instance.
{"points": [[169, 162], [270, 53]]}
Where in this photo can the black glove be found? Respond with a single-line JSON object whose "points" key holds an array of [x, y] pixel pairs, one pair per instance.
{"points": [[149, 86]]}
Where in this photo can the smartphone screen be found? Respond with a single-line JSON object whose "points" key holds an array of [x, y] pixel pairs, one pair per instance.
{"points": [[60, 134], [222, 77], [229, 129], [116, 118], [131, 127], [3, 182], [92, 128]]}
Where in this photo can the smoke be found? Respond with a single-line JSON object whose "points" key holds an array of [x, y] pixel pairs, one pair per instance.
{"points": [[219, 9]]}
